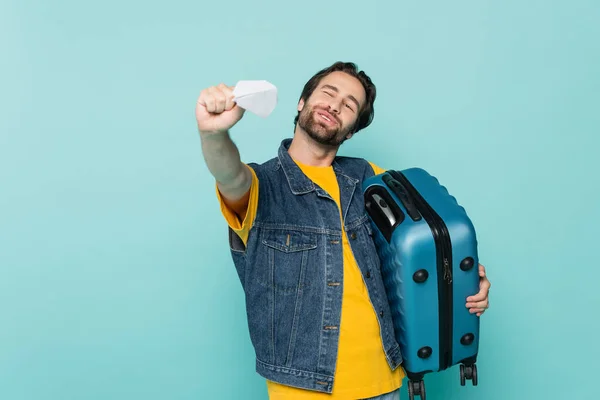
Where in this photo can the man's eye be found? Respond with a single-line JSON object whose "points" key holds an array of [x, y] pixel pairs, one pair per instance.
{"points": [[328, 94], [348, 105]]}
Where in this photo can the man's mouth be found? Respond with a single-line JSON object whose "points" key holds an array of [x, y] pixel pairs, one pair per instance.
{"points": [[328, 118]]}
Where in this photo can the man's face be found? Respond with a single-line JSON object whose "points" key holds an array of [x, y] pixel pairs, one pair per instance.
{"points": [[331, 111]]}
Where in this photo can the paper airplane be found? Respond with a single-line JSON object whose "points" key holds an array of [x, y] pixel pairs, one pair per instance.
{"points": [[258, 97]]}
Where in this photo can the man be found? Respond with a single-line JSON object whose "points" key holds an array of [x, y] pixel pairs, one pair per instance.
{"points": [[317, 312]]}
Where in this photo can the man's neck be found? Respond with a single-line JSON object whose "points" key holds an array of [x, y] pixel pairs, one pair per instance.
{"points": [[308, 152]]}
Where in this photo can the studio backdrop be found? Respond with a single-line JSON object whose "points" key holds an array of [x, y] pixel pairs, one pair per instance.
{"points": [[116, 280]]}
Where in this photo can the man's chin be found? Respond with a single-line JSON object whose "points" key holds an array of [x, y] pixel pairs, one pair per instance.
{"points": [[324, 130], [324, 137], [321, 132]]}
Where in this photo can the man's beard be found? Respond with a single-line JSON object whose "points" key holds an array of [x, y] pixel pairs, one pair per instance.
{"points": [[320, 132]]}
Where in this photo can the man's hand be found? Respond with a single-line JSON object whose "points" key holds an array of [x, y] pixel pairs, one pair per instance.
{"points": [[215, 109], [479, 302]]}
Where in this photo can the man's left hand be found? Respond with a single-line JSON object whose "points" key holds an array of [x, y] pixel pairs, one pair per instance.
{"points": [[479, 303]]}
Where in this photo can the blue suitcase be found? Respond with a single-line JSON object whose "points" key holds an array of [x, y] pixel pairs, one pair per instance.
{"points": [[429, 262]]}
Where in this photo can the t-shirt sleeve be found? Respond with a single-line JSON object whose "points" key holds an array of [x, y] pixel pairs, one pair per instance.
{"points": [[378, 170], [241, 228]]}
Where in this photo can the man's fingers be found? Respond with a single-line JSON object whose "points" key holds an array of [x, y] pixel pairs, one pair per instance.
{"points": [[485, 285], [478, 304], [224, 96], [479, 296], [201, 99], [484, 288], [219, 99], [229, 103], [226, 90], [477, 311], [209, 101], [224, 86], [228, 93]]}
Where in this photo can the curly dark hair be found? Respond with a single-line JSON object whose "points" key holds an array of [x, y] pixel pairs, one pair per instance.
{"points": [[366, 114]]}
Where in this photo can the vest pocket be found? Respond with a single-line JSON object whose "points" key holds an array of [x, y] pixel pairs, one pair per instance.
{"points": [[284, 259]]}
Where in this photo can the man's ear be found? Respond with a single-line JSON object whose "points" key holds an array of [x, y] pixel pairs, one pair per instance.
{"points": [[300, 105]]}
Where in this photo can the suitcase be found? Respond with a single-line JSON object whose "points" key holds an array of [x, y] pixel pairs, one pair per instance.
{"points": [[429, 262]]}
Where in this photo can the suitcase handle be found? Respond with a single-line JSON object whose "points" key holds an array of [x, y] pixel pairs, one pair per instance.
{"points": [[403, 195], [383, 210]]}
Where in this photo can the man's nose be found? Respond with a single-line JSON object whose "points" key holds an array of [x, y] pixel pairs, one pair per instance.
{"points": [[334, 106]]}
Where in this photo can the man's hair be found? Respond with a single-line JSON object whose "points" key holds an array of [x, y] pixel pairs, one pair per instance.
{"points": [[366, 114]]}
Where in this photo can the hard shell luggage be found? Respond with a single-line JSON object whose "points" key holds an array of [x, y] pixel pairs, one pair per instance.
{"points": [[428, 251]]}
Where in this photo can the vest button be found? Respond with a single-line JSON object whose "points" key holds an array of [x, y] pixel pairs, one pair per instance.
{"points": [[381, 313], [368, 274], [353, 235]]}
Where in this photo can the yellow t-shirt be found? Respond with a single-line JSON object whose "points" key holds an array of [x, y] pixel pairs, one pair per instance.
{"points": [[361, 370]]}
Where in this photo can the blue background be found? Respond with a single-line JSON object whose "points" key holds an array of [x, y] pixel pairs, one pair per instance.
{"points": [[115, 279]]}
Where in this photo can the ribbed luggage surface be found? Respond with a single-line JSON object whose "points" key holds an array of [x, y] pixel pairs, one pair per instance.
{"points": [[428, 251]]}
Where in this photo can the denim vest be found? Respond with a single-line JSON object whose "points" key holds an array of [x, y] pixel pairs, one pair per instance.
{"points": [[292, 271]]}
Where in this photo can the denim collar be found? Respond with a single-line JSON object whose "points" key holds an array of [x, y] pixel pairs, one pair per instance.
{"points": [[298, 182]]}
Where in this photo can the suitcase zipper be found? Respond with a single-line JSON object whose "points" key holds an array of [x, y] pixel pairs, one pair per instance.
{"points": [[444, 265]]}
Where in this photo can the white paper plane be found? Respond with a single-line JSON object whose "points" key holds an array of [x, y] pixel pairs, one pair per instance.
{"points": [[258, 97]]}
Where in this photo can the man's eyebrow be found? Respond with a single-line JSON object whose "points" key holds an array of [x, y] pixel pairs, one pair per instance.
{"points": [[326, 86]]}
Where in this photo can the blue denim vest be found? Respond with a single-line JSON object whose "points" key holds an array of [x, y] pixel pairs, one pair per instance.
{"points": [[292, 271]]}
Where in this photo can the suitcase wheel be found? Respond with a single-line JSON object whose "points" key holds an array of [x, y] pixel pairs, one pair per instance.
{"points": [[468, 372], [416, 388]]}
